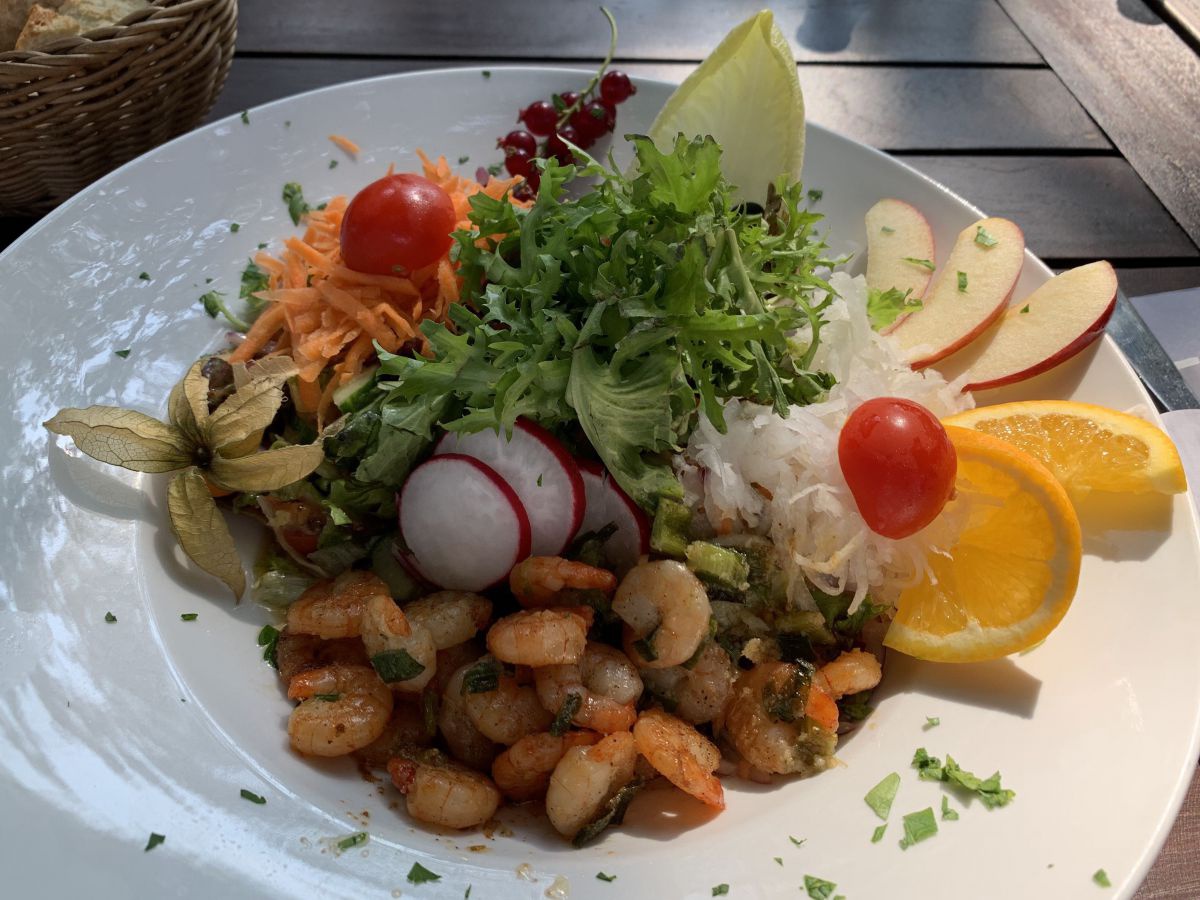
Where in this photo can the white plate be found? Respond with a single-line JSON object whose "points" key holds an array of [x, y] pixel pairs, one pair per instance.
{"points": [[109, 732]]}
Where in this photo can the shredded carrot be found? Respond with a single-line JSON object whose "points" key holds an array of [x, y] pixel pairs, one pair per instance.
{"points": [[328, 317], [345, 143]]}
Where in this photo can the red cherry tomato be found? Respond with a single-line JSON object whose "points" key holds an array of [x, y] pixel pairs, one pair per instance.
{"points": [[899, 464], [400, 220]]}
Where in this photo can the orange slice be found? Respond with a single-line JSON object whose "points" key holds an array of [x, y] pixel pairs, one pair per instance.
{"points": [[1011, 573], [1087, 447]]}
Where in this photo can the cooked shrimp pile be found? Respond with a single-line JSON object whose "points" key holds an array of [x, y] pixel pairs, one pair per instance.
{"points": [[466, 710]]}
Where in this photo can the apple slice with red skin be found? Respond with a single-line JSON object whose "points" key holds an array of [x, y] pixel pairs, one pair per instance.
{"points": [[608, 504], [463, 524], [989, 254], [1045, 329], [897, 232]]}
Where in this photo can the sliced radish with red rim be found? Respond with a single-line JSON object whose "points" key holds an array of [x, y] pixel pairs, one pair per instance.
{"points": [[544, 475], [608, 504], [464, 526]]}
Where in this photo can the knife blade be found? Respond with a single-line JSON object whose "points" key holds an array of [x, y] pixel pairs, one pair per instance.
{"points": [[1148, 358]]}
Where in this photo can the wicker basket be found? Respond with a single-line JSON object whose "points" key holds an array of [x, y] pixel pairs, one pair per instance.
{"points": [[85, 105]]}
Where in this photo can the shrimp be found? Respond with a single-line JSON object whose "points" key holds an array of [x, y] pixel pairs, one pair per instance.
{"points": [[680, 752], [342, 709], [538, 580], [442, 792], [696, 694], [406, 729], [522, 772], [851, 673], [296, 653], [539, 637], [666, 613], [465, 742], [333, 609], [450, 617], [606, 683], [779, 721], [506, 712], [387, 632], [586, 778]]}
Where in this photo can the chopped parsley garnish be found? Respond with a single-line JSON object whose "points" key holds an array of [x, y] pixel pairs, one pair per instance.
{"points": [[566, 712], [877, 834], [604, 877], [539, 481], [983, 238], [482, 677], [819, 888], [355, 840], [918, 826], [215, 306], [262, 246], [815, 195], [293, 196], [494, 169], [189, 617], [234, 227], [990, 791], [418, 874], [1025, 309], [931, 722], [884, 307], [109, 617], [287, 123], [948, 814], [923, 263], [155, 840], [798, 843], [888, 229], [1101, 878], [720, 890], [880, 797], [268, 638], [253, 797], [396, 665], [467, 892], [645, 647], [486, 73], [145, 276], [245, 117], [463, 160], [333, 164], [962, 282], [856, 707], [328, 698], [124, 354]]}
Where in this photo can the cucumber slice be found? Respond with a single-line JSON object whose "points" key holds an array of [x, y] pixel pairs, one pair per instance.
{"points": [[357, 392]]}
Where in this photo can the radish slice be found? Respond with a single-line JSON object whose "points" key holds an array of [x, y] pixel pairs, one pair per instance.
{"points": [[464, 526], [607, 503], [541, 471]]}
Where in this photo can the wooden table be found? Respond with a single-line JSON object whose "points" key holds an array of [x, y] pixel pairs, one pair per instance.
{"points": [[1077, 118]]}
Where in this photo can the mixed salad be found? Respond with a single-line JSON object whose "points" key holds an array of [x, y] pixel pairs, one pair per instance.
{"points": [[585, 477]]}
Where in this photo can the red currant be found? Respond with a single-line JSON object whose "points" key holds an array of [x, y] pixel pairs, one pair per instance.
{"points": [[539, 117], [517, 162], [591, 120], [610, 115], [615, 87], [559, 150], [518, 140], [568, 98]]}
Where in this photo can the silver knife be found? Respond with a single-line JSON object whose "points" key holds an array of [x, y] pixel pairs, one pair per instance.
{"points": [[1148, 358]]}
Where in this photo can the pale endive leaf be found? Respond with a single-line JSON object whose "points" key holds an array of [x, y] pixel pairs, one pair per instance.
{"points": [[268, 470], [246, 412], [123, 437], [201, 530]]}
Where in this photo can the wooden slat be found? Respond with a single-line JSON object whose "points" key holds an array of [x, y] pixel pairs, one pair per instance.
{"points": [[1070, 208], [1139, 81], [894, 108], [1139, 280], [971, 31]]}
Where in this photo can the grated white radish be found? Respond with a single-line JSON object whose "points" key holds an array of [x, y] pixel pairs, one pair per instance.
{"points": [[780, 476]]}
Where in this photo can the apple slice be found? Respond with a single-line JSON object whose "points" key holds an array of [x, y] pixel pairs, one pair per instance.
{"points": [[1048, 327], [608, 504], [463, 525], [985, 262], [896, 234], [539, 468]]}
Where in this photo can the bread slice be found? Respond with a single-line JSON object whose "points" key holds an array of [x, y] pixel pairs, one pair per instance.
{"points": [[13, 14], [99, 13], [45, 25]]}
